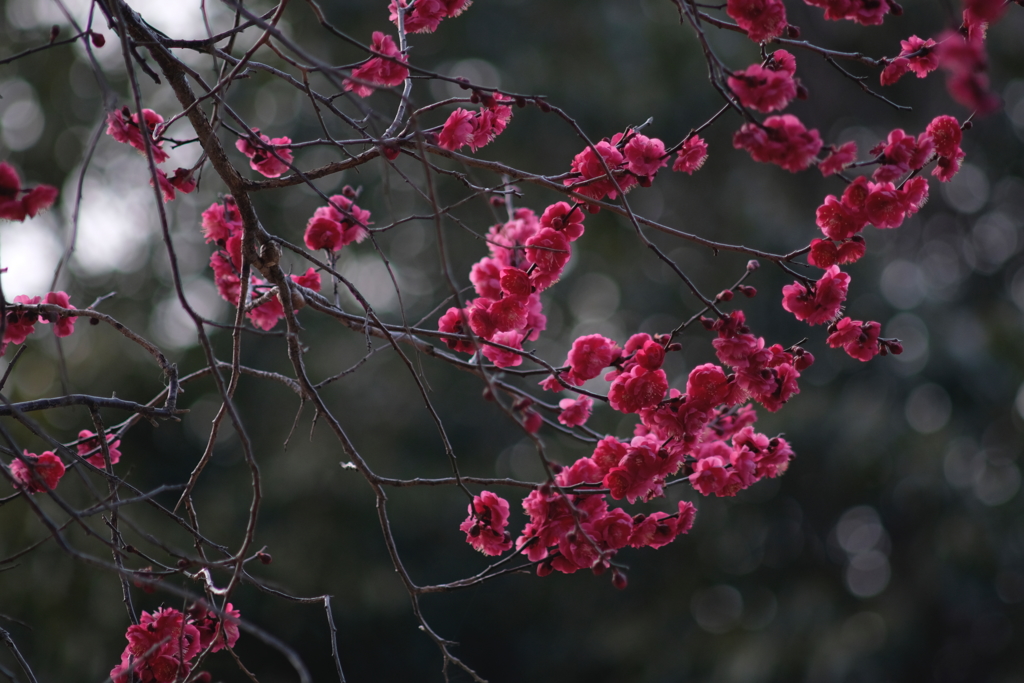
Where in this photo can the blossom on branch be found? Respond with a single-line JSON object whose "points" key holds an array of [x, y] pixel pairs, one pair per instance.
{"points": [[761, 19], [262, 157], [766, 88], [386, 70], [37, 473], [124, 127], [781, 140], [30, 203], [691, 156], [424, 16], [89, 442], [337, 225], [485, 526]]}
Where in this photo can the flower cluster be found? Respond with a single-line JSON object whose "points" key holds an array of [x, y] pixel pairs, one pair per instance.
{"points": [[385, 70], [90, 449], [123, 126], [22, 322], [761, 19], [821, 303], [30, 203], [222, 225], [838, 158], [528, 255], [768, 87], [632, 159], [37, 473], [163, 644], [863, 202], [424, 16], [337, 225], [916, 55], [865, 12], [781, 140], [262, 157], [475, 129]]}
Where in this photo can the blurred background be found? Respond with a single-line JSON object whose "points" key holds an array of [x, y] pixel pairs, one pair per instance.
{"points": [[892, 549]]}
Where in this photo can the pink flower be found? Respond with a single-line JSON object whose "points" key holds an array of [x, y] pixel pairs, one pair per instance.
{"points": [[549, 249], [894, 71], [89, 442], [310, 279], [485, 526], [983, 11], [641, 472], [589, 355], [925, 61], [159, 648], [838, 159], [761, 19], [261, 157], [490, 122], [858, 339], [766, 88], [783, 140], [220, 632], [825, 253], [710, 476], [946, 135], [691, 155], [644, 155], [167, 190], [221, 221], [508, 313], [183, 181], [636, 389], [64, 326], [453, 322], [381, 70], [457, 131], [37, 473], [501, 357], [576, 412], [837, 220], [338, 225], [423, 16], [567, 219], [707, 385], [225, 274], [658, 529], [594, 181], [486, 277], [965, 61], [865, 12], [124, 127], [34, 201], [821, 305], [20, 324]]}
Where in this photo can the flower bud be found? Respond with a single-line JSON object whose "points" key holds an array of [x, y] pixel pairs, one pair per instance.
{"points": [[264, 557], [97, 39], [753, 264], [619, 579]]}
